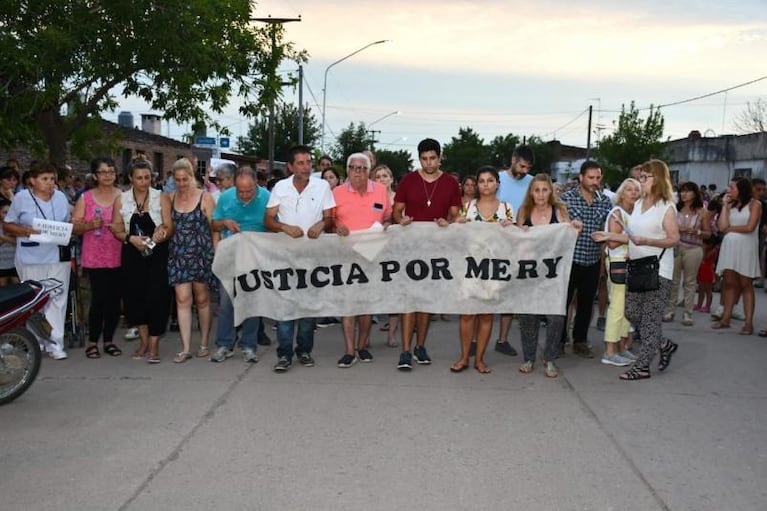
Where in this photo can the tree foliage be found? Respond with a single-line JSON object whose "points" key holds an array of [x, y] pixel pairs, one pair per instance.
{"points": [[285, 132], [465, 153], [500, 150], [61, 60], [352, 139], [400, 162], [634, 141], [753, 119]]}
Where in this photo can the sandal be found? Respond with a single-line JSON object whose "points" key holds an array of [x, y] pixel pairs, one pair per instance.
{"points": [[139, 355], [112, 350], [527, 367], [635, 373], [152, 359], [392, 343], [718, 325], [92, 351], [203, 352], [481, 367], [746, 331], [665, 354], [458, 367], [551, 370], [182, 357]]}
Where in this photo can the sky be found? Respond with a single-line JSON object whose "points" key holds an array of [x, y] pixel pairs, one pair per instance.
{"points": [[518, 66]]}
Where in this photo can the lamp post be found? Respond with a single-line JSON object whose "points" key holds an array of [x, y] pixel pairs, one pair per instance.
{"points": [[396, 112], [325, 84]]}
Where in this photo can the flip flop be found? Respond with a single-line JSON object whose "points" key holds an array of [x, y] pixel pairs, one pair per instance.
{"points": [[483, 369], [182, 357], [719, 325], [455, 368]]}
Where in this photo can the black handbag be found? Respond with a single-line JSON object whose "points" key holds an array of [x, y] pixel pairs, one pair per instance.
{"points": [[642, 274], [618, 272]]}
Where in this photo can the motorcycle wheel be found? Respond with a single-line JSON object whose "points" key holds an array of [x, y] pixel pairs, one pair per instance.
{"points": [[20, 358]]}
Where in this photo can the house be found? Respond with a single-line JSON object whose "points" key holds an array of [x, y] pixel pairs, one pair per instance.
{"points": [[716, 160]]}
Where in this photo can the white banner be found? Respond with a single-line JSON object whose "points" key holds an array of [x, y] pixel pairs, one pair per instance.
{"points": [[460, 269]]}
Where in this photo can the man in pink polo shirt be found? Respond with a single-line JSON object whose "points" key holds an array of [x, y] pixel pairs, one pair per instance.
{"points": [[360, 204]]}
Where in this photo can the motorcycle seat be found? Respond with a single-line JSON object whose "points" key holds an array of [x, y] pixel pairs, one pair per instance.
{"points": [[13, 295]]}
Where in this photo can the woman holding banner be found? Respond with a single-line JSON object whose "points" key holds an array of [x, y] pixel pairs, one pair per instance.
{"points": [[486, 208], [38, 260], [541, 207]]}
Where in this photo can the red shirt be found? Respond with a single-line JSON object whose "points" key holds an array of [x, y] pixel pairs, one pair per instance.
{"points": [[426, 202], [357, 212]]}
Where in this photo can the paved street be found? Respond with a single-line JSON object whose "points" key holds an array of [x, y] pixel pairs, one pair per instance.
{"points": [[119, 434]]}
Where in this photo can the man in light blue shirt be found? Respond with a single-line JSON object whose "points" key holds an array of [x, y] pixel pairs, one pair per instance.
{"points": [[239, 208], [512, 189]]}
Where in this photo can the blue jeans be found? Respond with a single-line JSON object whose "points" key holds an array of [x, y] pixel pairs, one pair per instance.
{"points": [[304, 341], [226, 334]]}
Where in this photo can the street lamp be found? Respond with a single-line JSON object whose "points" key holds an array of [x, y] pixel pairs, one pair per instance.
{"points": [[396, 112], [325, 84]]}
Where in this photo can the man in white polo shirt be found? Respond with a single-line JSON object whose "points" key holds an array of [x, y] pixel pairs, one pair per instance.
{"points": [[299, 205]]}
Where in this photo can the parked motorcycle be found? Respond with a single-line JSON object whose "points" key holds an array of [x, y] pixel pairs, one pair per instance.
{"points": [[20, 316]]}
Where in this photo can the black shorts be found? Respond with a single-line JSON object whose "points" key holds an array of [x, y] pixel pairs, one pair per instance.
{"points": [[9, 272]]}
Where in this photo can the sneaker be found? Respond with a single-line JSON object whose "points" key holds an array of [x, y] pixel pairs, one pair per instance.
{"points": [[326, 322], [687, 320], [347, 361], [264, 340], [282, 365], [405, 361], [221, 354], [249, 355], [668, 317], [505, 348], [628, 355], [131, 334], [737, 313], [306, 360], [615, 360], [421, 357], [364, 356], [717, 313], [601, 324], [58, 354], [583, 350]]}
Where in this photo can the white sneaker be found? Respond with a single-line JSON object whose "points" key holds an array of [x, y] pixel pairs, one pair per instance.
{"points": [[717, 313], [58, 354], [615, 360], [131, 334], [737, 313]]}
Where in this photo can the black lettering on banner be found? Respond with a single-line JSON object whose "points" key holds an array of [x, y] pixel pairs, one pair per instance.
{"points": [[337, 279], [388, 268], [243, 280], [283, 275], [315, 277], [356, 273], [417, 269], [501, 269], [527, 269], [439, 269], [301, 277], [551, 264], [267, 278], [481, 270]]}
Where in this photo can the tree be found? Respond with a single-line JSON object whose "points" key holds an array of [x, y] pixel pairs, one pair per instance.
{"points": [[634, 141], [187, 58], [465, 153], [285, 132], [352, 139], [500, 149], [399, 161], [544, 155], [753, 119]]}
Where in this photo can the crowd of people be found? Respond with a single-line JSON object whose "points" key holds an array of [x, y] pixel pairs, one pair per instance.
{"points": [[146, 251]]}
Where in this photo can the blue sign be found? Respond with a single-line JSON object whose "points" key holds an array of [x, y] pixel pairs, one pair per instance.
{"points": [[205, 141], [223, 142]]}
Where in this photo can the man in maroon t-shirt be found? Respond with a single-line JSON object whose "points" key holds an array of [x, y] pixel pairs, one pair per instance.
{"points": [[426, 195]]}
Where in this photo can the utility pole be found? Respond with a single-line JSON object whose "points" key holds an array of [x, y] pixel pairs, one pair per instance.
{"points": [[588, 136], [300, 104], [273, 22], [372, 137]]}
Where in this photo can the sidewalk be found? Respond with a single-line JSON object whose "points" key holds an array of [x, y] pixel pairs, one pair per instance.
{"points": [[119, 434]]}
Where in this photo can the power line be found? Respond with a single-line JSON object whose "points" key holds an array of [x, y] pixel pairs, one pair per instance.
{"points": [[554, 132]]}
